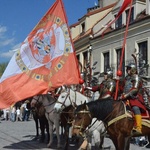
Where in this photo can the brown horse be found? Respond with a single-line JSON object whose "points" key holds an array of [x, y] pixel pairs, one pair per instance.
{"points": [[66, 118], [38, 112], [118, 121]]}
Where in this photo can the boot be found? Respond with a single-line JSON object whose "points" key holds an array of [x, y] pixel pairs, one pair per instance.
{"points": [[138, 128]]}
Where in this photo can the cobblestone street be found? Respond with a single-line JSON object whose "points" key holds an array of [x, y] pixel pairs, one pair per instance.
{"points": [[21, 135]]}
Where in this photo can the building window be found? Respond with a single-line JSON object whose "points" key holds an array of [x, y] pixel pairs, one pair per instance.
{"points": [[119, 53], [106, 61], [118, 23], [85, 58], [132, 15], [79, 63], [143, 58], [83, 27]]}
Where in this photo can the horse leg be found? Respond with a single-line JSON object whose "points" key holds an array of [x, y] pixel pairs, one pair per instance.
{"points": [[50, 124], [101, 142], [42, 127], [121, 142], [148, 146], [62, 127], [37, 127], [66, 136], [36, 124], [47, 129], [96, 138], [127, 143], [56, 122], [50, 133]]}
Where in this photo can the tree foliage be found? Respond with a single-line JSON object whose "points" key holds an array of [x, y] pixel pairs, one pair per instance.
{"points": [[2, 68]]}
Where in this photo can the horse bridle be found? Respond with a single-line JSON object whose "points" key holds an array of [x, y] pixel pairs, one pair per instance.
{"points": [[81, 127], [37, 100], [63, 104]]}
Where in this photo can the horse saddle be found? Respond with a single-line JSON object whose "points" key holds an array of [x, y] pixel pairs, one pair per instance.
{"points": [[145, 115]]}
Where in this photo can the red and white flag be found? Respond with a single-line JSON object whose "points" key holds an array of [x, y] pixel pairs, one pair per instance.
{"points": [[125, 4], [45, 60], [123, 7]]}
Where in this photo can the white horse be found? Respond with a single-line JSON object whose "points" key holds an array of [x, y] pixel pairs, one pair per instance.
{"points": [[96, 129], [69, 97], [95, 134], [53, 118]]}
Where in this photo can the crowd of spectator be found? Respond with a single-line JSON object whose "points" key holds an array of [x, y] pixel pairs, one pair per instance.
{"points": [[17, 112]]}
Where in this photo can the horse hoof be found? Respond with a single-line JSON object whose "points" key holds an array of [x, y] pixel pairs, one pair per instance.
{"points": [[49, 145], [148, 146], [36, 138]]}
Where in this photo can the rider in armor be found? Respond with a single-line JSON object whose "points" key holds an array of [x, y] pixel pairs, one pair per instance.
{"points": [[107, 87], [133, 93]]}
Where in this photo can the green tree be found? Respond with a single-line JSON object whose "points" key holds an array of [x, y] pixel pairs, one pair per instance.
{"points": [[2, 68]]}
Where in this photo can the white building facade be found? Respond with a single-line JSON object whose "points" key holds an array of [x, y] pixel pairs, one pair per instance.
{"points": [[107, 50]]}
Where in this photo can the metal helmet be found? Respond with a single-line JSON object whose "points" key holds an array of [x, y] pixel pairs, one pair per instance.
{"points": [[132, 67], [109, 73]]}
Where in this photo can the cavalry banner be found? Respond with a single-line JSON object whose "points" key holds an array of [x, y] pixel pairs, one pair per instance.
{"points": [[45, 60]]}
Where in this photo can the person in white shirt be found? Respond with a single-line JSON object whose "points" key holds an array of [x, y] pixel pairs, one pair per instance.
{"points": [[18, 117]]}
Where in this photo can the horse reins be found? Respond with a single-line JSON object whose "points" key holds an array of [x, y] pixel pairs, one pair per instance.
{"points": [[63, 104], [36, 99], [80, 127]]}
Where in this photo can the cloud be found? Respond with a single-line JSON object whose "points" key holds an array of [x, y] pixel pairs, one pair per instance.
{"points": [[3, 29], [10, 53], [17, 46], [6, 42], [4, 39]]}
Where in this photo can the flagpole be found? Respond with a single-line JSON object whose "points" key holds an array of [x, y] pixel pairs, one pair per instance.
{"points": [[119, 71]]}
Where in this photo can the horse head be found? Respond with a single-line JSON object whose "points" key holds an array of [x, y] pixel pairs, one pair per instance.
{"points": [[61, 101], [69, 97], [34, 101], [82, 119]]}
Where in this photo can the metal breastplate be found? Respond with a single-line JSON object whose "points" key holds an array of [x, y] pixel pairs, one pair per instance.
{"points": [[106, 87], [103, 89]]}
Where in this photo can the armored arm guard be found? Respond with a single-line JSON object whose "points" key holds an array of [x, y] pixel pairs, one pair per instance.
{"points": [[136, 85], [111, 85]]}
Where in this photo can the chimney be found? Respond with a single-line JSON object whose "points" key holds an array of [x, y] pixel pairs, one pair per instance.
{"points": [[104, 3], [148, 7]]}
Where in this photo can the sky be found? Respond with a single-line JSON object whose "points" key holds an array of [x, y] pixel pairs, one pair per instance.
{"points": [[19, 17]]}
